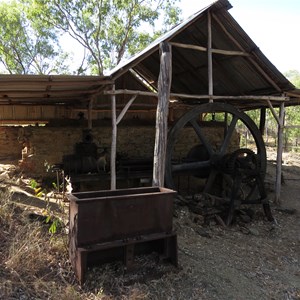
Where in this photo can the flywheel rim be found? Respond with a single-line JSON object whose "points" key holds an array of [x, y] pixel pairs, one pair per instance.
{"points": [[190, 117]]}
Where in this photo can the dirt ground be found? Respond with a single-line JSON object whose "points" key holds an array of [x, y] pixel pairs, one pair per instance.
{"points": [[254, 259], [258, 260]]}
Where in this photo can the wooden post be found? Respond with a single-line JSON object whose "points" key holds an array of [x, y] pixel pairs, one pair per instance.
{"points": [[164, 87], [90, 115], [279, 153], [273, 112], [209, 57], [267, 132], [125, 109], [262, 121], [113, 142]]}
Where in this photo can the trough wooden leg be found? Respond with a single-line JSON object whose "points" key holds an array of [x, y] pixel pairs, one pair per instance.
{"points": [[173, 250], [128, 255], [80, 268], [170, 249]]}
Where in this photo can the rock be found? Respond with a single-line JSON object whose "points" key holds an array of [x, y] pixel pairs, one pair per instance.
{"points": [[245, 218], [212, 223], [198, 219], [175, 213], [3, 188], [179, 200], [244, 230], [20, 196], [248, 211], [253, 231], [203, 232], [289, 211], [247, 230], [220, 221], [4, 176]]}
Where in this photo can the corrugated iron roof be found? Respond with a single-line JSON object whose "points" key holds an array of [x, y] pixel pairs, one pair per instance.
{"points": [[245, 72], [249, 73], [45, 89]]}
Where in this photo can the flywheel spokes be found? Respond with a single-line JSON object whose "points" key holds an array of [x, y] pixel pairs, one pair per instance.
{"points": [[203, 158]]}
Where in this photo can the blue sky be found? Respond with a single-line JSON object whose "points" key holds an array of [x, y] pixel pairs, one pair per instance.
{"points": [[273, 25]]}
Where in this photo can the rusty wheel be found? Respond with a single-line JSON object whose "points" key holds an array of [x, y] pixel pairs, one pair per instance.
{"points": [[204, 158]]}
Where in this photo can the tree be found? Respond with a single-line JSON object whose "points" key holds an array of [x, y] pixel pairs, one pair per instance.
{"points": [[25, 49], [109, 30], [292, 113], [294, 77]]}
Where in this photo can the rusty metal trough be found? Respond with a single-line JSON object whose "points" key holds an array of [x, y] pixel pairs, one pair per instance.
{"points": [[109, 225]]}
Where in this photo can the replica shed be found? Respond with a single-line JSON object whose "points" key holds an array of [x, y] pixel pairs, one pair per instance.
{"points": [[206, 60]]}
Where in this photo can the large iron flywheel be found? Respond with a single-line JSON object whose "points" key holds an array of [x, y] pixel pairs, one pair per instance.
{"points": [[205, 158]]}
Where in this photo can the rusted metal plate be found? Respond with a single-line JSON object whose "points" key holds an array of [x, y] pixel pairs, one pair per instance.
{"points": [[101, 216], [119, 224]]}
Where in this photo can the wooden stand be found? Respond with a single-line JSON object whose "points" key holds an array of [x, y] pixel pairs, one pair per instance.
{"points": [[116, 225], [164, 244]]}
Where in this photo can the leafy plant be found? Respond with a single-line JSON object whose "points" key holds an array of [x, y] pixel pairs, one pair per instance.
{"points": [[38, 191], [56, 224], [51, 215], [33, 183]]}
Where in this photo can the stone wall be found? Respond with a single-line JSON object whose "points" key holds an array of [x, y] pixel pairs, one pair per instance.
{"points": [[43, 145], [10, 146], [49, 145]]}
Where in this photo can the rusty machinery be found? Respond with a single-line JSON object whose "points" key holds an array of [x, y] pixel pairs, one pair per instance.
{"points": [[211, 164], [84, 159]]}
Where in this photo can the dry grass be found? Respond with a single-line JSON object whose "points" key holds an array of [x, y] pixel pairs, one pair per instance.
{"points": [[34, 263]]}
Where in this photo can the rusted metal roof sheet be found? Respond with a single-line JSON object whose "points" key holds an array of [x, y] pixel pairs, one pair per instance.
{"points": [[45, 89], [245, 72]]}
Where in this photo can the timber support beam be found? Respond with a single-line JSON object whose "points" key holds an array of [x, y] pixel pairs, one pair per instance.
{"points": [[164, 87]]}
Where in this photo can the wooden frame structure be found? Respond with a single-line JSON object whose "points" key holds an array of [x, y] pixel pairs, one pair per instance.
{"points": [[164, 94], [162, 119], [207, 58]]}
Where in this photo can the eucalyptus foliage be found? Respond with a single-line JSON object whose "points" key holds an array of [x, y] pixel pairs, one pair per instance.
{"points": [[25, 48], [294, 77], [108, 30]]}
